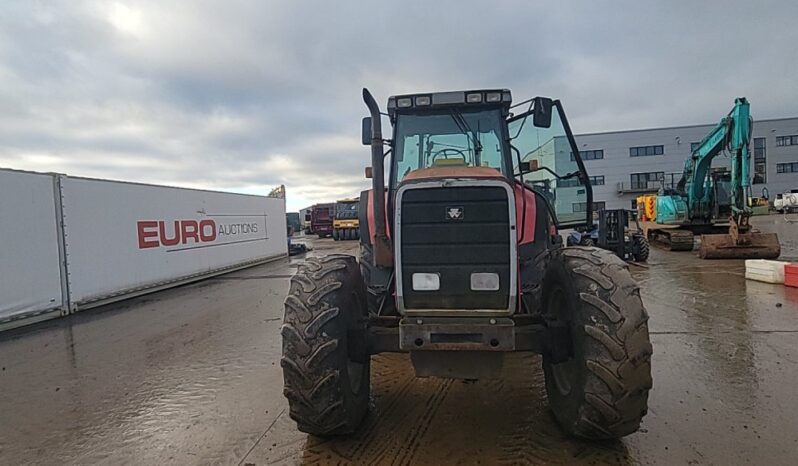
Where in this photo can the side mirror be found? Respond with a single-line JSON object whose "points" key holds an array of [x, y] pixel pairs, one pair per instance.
{"points": [[307, 217], [542, 112], [369, 172], [365, 134]]}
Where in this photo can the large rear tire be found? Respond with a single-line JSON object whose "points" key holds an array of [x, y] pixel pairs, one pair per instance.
{"points": [[326, 374], [600, 389]]}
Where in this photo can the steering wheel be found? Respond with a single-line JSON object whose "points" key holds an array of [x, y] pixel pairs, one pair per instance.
{"points": [[443, 152]]}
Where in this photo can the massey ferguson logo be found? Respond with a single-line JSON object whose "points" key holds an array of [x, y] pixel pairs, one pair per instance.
{"points": [[454, 213]]}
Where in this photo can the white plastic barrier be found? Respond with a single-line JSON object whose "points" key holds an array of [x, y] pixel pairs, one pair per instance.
{"points": [[766, 271], [30, 265], [124, 239]]}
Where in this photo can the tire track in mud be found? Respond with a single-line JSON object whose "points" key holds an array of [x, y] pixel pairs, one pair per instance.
{"points": [[441, 421], [420, 431], [532, 435], [392, 385]]}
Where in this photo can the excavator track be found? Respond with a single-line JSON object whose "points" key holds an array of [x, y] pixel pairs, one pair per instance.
{"points": [[672, 239]]}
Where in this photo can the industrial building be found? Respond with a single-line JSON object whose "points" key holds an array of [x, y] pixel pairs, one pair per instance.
{"points": [[624, 164]]}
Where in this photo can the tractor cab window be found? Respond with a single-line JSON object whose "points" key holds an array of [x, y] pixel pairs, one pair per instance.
{"points": [[555, 169], [450, 138]]}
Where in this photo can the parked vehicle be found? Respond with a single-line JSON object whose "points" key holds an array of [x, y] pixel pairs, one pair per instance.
{"points": [[786, 202], [305, 218], [292, 219], [321, 220], [612, 232], [346, 225]]}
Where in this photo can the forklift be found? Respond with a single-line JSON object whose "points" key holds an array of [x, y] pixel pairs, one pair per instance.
{"points": [[612, 232]]}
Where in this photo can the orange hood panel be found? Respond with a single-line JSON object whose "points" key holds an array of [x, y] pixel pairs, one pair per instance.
{"points": [[452, 172]]}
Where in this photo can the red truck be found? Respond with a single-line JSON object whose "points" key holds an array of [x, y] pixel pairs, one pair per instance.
{"points": [[321, 219]]}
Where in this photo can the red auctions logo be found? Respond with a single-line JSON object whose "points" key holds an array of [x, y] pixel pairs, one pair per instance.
{"points": [[152, 233]]}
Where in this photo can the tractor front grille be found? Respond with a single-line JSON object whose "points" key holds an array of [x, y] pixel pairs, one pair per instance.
{"points": [[455, 232]]}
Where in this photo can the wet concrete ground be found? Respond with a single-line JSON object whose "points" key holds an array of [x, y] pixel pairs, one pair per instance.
{"points": [[191, 376]]}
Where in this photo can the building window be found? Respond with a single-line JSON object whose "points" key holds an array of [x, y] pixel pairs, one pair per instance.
{"points": [[791, 167], [787, 140], [694, 146], [641, 180], [574, 182], [597, 180], [582, 206], [569, 183], [589, 154], [760, 161], [645, 151]]}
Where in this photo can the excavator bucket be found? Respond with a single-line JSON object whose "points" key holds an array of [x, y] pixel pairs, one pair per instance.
{"points": [[758, 246]]}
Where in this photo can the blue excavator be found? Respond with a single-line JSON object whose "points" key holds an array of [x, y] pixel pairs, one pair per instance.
{"points": [[702, 203]]}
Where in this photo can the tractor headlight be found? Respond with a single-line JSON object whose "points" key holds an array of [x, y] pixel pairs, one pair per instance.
{"points": [[423, 100], [484, 281], [404, 102], [493, 97], [474, 98], [426, 282]]}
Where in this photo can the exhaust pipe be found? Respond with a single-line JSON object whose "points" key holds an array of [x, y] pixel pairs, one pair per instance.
{"points": [[383, 252]]}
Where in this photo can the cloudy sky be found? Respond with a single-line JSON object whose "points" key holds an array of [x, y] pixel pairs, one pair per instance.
{"points": [[246, 95]]}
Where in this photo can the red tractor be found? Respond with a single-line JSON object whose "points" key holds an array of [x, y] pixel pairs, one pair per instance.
{"points": [[461, 262]]}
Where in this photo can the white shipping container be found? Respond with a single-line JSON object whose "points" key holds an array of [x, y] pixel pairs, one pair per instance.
{"points": [[124, 239], [30, 265]]}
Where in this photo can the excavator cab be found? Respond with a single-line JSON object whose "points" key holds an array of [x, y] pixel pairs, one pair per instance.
{"points": [[461, 262]]}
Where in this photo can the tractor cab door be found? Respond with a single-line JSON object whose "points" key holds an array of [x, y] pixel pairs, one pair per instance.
{"points": [[547, 161]]}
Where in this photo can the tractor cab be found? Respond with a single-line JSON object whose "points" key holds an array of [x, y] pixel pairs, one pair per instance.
{"points": [[479, 134]]}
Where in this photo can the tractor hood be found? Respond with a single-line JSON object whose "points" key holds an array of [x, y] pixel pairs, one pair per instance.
{"points": [[433, 173]]}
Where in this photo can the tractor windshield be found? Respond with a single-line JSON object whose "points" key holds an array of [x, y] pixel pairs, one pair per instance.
{"points": [[449, 138], [556, 167]]}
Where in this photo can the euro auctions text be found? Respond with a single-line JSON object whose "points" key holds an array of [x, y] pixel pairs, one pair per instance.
{"points": [[157, 233]]}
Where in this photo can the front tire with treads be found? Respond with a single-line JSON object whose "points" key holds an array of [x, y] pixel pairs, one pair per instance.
{"points": [[642, 248], [326, 375], [599, 390]]}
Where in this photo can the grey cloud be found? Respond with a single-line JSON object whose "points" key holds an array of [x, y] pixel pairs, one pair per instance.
{"points": [[246, 95]]}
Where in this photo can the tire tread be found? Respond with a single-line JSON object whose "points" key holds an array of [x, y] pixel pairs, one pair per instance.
{"points": [[618, 350], [314, 334]]}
